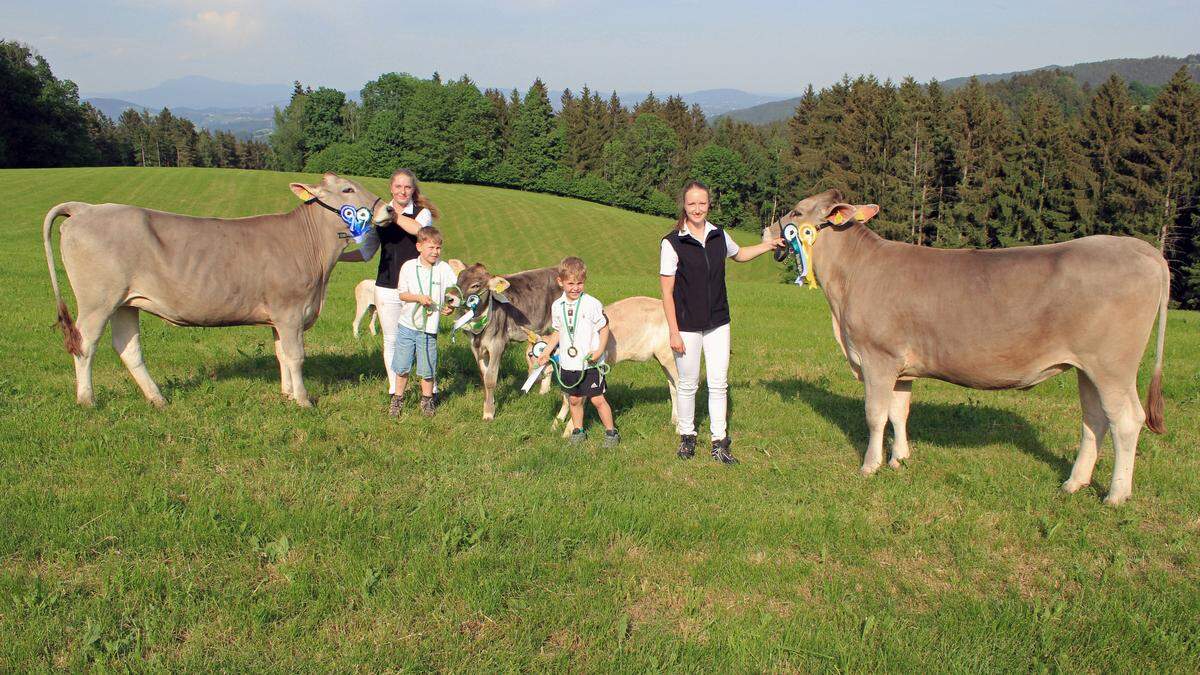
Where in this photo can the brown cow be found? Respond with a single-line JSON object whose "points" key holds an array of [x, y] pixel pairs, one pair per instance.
{"points": [[269, 270], [996, 319]]}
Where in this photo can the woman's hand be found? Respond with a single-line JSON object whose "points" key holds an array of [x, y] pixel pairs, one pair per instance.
{"points": [[424, 300], [677, 342], [544, 358], [447, 310], [595, 356]]}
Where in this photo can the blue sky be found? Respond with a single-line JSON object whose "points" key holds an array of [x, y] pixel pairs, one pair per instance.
{"points": [[675, 45]]}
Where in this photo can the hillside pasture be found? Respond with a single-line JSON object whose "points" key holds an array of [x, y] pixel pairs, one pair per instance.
{"points": [[234, 531]]}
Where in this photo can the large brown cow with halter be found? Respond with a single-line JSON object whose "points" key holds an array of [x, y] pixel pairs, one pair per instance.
{"points": [[994, 319], [268, 270]]}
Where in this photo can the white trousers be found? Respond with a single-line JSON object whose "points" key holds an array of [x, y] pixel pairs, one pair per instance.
{"points": [[715, 346], [387, 308]]}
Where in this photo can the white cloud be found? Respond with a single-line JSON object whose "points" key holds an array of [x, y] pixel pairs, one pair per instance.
{"points": [[230, 27]]}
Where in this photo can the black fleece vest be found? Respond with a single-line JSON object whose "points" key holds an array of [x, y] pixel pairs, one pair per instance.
{"points": [[700, 301], [396, 247]]}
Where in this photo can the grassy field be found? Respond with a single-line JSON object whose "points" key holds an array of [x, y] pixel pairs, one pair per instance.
{"points": [[235, 531]]}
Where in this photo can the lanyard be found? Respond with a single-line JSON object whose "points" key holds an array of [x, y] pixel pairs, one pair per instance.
{"points": [[570, 326]]}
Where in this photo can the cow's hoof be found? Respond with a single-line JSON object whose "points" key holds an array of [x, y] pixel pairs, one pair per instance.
{"points": [[868, 470], [1072, 486], [86, 401], [304, 403], [1115, 499], [158, 402], [894, 463], [487, 417]]}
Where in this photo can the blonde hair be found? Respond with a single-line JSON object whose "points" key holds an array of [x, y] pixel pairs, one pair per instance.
{"points": [[418, 198], [691, 185], [572, 267], [429, 233]]}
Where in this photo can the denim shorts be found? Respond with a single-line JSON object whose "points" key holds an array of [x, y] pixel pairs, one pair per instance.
{"points": [[415, 344]]}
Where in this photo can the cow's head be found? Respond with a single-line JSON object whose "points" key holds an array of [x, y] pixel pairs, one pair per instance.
{"points": [[477, 287], [356, 207], [801, 225]]}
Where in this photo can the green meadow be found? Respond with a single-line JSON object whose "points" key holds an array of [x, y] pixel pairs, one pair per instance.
{"points": [[234, 531]]}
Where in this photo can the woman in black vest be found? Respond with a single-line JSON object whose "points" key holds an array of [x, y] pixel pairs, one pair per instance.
{"points": [[692, 273], [396, 246]]}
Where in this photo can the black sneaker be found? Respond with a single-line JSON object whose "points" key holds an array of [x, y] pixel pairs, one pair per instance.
{"points": [[427, 406], [578, 436], [687, 446], [394, 407], [721, 452], [611, 438]]}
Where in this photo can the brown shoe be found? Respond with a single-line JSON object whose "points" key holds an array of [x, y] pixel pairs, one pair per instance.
{"points": [[394, 407], [427, 406]]}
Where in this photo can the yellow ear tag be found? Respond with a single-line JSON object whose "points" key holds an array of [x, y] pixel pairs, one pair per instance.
{"points": [[498, 284], [837, 218], [304, 194], [862, 215]]}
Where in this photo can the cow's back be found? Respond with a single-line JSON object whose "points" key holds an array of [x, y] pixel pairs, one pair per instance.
{"points": [[994, 318]]}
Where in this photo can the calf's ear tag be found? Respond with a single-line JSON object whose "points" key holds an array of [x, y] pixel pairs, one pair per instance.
{"points": [[498, 284]]}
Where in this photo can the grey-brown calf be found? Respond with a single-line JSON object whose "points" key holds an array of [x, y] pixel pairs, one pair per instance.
{"points": [[514, 305], [996, 319], [269, 270], [638, 331]]}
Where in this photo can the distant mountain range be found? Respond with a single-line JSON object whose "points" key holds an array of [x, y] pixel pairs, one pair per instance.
{"points": [[1153, 71], [248, 109]]}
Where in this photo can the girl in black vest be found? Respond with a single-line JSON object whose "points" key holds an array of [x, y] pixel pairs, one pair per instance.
{"points": [[396, 246], [692, 273]]}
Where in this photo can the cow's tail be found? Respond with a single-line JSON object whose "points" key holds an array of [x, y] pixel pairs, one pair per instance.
{"points": [[71, 337], [1154, 398]]}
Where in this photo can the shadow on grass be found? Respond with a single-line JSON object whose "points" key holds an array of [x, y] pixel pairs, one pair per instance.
{"points": [[328, 372], [958, 426]]}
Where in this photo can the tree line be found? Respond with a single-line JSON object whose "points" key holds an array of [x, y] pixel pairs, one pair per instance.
{"points": [[44, 124], [1033, 159]]}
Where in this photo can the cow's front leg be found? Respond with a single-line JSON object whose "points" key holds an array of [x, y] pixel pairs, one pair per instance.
{"points": [[489, 356], [285, 377], [879, 389], [898, 416], [291, 342]]}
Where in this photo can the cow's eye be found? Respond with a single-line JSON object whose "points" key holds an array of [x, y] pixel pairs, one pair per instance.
{"points": [[347, 190]]}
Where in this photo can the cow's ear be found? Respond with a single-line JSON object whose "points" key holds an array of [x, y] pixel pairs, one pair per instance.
{"points": [[840, 214], [305, 192], [497, 284], [865, 212], [456, 265]]}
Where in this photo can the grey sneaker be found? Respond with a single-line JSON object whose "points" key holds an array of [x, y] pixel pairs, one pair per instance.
{"points": [[427, 406], [687, 446], [721, 452], [612, 438], [578, 436], [394, 407]]}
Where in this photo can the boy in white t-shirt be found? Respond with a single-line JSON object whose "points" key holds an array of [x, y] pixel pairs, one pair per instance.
{"points": [[581, 336], [421, 285]]}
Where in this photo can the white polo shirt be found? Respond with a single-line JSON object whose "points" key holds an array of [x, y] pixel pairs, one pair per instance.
{"points": [[370, 242], [419, 279], [668, 259], [586, 317]]}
